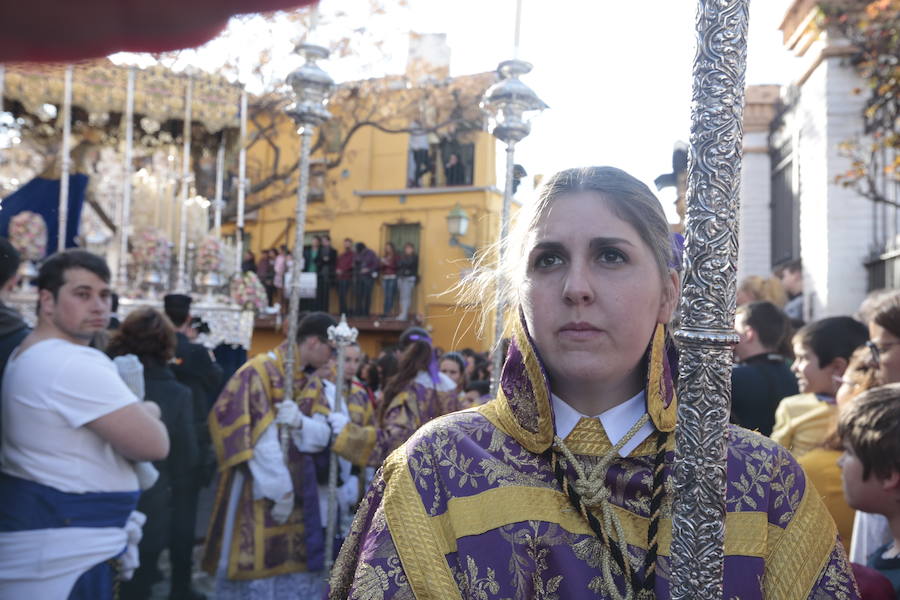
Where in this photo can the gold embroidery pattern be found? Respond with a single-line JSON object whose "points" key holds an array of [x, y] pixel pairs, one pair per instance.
{"points": [[589, 439], [745, 532], [427, 569], [345, 566], [662, 416], [836, 581], [529, 550], [355, 444], [530, 402], [793, 564]]}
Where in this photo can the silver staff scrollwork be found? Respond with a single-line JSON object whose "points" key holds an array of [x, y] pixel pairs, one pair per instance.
{"points": [[707, 332], [341, 336], [311, 86]]}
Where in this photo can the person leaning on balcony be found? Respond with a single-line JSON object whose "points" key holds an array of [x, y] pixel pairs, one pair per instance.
{"points": [[365, 269], [389, 277], [407, 275], [344, 274], [326, 261]]}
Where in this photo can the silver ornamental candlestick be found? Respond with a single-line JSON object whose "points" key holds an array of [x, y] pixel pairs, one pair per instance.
{"points": [[707, 332], [125, 210], [343, 335], [65, 160], [242, 188], [183, 285], [508, 102], [311, 87], [220, 174]]}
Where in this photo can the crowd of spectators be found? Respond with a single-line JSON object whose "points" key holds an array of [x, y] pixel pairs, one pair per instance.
{"points": [[352, 273], [829, 391]]}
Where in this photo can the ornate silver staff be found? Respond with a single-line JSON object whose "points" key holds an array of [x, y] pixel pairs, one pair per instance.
{"points": [[508, 101], [343, 335], [312, 86], [708, 300], [65, 160]]}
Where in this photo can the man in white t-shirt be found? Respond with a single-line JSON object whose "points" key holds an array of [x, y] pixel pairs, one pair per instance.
{"points": [[71, 428]]}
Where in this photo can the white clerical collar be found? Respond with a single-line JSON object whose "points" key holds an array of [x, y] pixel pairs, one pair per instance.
{"points": [[616, 421]]}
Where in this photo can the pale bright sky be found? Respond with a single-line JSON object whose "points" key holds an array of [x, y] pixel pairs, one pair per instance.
{"points": [[616, 75], [617, 78]]}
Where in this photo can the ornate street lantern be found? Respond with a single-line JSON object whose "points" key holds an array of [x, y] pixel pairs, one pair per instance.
{"points": [[510, 104], [457, 221]]}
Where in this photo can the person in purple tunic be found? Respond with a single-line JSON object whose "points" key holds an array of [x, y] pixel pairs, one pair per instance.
{"points": [[561, 487], [415, 395], [265, 537]]}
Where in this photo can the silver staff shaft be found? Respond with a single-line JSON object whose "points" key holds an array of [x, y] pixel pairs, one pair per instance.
{"points": [[294, 273], [333, 465], [125, 210], [65, 160], [311, 86], [500, 311], [510, 103], [184, 286], [708, 300]]}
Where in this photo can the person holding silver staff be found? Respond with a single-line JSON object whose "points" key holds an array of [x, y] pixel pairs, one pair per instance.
{"points": [[416, 394], [562, 485], [265, 536]]}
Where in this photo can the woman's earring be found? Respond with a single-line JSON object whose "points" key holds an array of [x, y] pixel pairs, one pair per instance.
{"points": [[661, 404]]}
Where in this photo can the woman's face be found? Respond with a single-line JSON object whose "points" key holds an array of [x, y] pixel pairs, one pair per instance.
{"points": [[888, 346], [592, 296], [450, 368]]}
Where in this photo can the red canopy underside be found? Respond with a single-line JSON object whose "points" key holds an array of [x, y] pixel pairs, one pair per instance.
{"points": [[70, 30]]}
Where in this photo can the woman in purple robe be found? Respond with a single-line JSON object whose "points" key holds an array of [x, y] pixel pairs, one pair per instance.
{"points": [[561, 487], [415, 395]]}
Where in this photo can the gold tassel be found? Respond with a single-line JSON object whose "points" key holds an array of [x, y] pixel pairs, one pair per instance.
{"points": [[663, 416]]}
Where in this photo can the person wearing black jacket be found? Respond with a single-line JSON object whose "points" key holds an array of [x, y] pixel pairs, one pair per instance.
{"points": [[194, 368], [407, 275], [13, 328], [326, 262], [763, 376], [147, 334]]}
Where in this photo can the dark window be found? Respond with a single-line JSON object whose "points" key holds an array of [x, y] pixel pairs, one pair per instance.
{"points": [[402, 234], [317, 172], [784, 213]]}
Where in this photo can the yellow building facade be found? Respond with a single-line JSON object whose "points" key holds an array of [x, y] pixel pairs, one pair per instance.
{"points": [[367, 198]]}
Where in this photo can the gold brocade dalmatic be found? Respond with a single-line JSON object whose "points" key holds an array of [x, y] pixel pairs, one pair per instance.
{"points": [[470, 508], [259, 546]]}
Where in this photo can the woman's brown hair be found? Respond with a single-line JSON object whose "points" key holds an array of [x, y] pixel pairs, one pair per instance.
{"points": [[415, 356], [147, 333], [887, 313], [864, 376]]}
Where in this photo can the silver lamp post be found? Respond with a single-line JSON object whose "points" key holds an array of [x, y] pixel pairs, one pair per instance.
{"points": [[509, 103], [707, 332], [343, 335], [311, 87]]}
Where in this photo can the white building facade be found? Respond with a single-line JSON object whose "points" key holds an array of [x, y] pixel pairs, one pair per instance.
{"points": [[791, 205]]}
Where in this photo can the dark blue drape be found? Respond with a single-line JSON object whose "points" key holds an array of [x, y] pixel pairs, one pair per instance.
{"points": [[41, 196]]}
